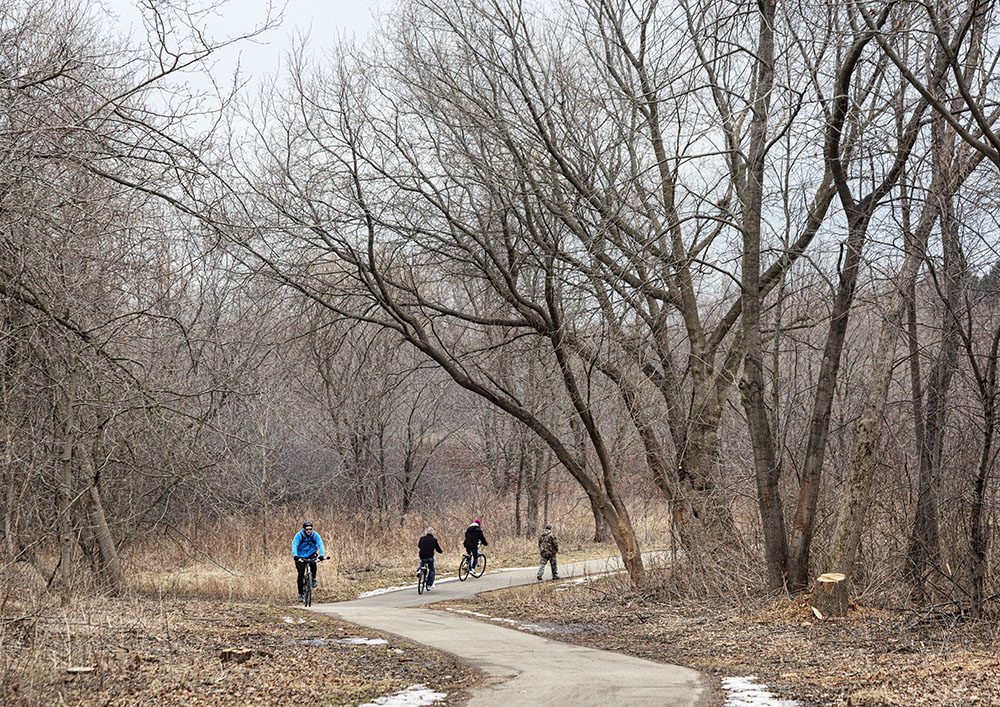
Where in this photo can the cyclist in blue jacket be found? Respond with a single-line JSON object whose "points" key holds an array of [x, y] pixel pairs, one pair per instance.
{"points": [[307, 544]]}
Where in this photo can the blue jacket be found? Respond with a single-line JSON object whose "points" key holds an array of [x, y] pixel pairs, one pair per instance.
{"points": [[306, 547]]}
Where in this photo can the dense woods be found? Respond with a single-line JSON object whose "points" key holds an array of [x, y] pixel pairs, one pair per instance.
{"points": [[740, 257]]}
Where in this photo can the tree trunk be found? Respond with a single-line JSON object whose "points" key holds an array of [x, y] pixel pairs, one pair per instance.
{"points": [[978, 538], [517, 491], [533, 492], [924, 546], [702, 516], [109, 567], [8, 520], [543, 469], [751, 176], [804, 520], [602, 532], [867, 436], [66, 498]]}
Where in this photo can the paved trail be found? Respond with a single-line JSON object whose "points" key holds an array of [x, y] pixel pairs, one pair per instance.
{"points": [[523, 669]]}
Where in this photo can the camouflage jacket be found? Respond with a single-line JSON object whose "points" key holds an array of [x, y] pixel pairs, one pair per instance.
{"points": [[548, 544]]}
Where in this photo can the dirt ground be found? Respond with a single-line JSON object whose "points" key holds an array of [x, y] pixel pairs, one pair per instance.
{"points": [[872, 657], [168, 653]]}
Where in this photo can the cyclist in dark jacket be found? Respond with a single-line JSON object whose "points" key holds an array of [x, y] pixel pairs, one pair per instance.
{"points": [[307, 545], [428, 545], [473, 537]]}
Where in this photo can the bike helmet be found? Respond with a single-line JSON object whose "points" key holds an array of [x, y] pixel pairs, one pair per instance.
{"points": [[307, 524]]}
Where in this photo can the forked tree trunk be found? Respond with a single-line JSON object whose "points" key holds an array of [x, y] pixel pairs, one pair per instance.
{"points": [[867, 438], [110, 566]]}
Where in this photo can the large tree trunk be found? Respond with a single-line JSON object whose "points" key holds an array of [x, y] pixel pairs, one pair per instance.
{"points": [[767, 469], [702, 516]]}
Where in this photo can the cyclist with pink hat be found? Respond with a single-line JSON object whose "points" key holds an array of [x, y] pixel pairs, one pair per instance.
{"points": [[473, 537]]}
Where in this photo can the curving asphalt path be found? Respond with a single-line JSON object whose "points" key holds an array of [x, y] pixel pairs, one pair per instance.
{"points": [[524, 668]]}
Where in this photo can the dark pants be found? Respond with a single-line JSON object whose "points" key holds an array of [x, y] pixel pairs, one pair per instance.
{"points": [[541, 567], [301, 567], [430, 571], [474, 551]]}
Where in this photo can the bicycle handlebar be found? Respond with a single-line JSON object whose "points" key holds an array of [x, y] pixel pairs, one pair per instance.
{"points": [[310, 559]]}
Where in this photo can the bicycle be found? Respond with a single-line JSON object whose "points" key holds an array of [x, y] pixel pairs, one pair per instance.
{"points": [[307, 579], [422, 573], [465, 567]]}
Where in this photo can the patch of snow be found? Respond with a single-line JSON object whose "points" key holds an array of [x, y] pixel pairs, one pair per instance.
{"points": [[590, 577], [362, 641], [290, 620], [400, 651], [747, 692], [470, 613], [518, 624], [413, 696], [386, 590]]}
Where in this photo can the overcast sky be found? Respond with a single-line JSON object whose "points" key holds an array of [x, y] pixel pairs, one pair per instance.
{"points": [[323, 20]]}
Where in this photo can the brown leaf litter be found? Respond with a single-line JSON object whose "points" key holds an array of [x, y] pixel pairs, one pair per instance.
{"points": [[171, 653], [872, 657]]}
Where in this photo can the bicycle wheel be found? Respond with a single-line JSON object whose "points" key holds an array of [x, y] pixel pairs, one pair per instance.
{"points": [[307, 591], [421, 580], [480, 567], [464, 568]]}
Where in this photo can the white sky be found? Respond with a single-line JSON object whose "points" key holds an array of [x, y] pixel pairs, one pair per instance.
{"points": [[323, 20]]}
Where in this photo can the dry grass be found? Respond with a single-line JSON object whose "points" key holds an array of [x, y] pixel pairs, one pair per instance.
{"points": [[249, 559]]}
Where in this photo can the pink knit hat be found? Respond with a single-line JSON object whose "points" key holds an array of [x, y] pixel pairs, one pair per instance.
{"points": [[477, 521]]}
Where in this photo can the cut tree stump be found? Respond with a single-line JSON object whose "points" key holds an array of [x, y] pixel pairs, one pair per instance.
{"points": [[236, 655], [829, 596]]}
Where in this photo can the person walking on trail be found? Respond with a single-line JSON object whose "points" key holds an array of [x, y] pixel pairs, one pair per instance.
{"points": [[548, 546], [306, 545], [428, 545], [473, 537]]}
